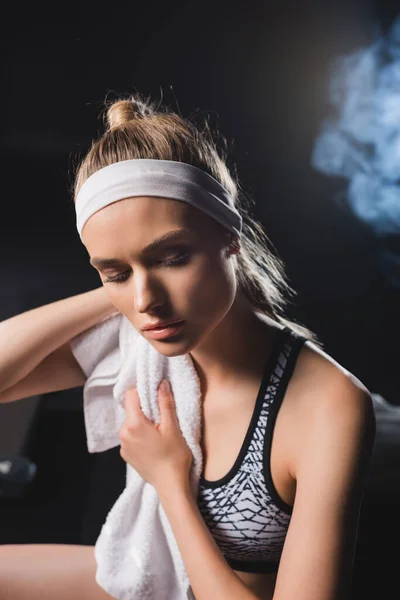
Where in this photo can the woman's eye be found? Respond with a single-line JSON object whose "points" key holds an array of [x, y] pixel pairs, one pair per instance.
{"points": [[117, 279], [176, 261]]}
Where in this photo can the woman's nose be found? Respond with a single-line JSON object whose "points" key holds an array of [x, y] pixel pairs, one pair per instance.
{"points": [[147, 294]]}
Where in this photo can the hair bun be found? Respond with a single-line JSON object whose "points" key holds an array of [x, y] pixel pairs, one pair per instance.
{"points": [[121, 112]]}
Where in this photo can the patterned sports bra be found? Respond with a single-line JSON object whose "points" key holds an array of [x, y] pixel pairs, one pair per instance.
{"points": [[243, 511]]}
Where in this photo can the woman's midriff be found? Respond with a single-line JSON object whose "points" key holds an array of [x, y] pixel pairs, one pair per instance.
{"points": [[261, 584]]}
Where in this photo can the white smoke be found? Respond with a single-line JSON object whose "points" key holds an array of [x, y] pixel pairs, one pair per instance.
{"points": [[361, 140]]}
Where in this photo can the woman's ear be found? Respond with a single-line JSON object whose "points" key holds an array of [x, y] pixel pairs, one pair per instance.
{"points": [[233, 247]]}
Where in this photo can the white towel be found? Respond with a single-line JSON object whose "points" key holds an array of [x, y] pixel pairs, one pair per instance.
{"points": [[136, 552]]}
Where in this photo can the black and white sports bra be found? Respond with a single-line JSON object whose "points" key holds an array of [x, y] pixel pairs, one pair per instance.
{"points": [[243, 511]]}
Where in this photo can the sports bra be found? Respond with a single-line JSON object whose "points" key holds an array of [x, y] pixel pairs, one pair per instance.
{"points": [[242, 510]]}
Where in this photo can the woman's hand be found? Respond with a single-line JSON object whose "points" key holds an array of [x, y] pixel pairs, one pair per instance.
{"points": [[159, 453]]}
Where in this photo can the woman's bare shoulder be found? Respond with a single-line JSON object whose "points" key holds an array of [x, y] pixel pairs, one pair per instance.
{"points": [[317, 375], [321, 366], [320, 390]]}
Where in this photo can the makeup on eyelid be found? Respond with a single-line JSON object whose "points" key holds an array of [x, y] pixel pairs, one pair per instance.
{"points": [[178, 260]]}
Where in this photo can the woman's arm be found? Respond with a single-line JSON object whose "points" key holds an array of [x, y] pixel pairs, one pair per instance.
{"points": [[26, 339], [209, 574], [332, 465]]}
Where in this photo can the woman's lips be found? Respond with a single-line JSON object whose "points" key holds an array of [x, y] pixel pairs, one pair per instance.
{"points": [[164, 332]]}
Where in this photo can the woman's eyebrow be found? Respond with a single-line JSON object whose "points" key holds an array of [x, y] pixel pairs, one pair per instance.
{"points": [[170, 236]]}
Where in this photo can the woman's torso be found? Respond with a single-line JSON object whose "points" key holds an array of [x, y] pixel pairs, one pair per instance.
{"points": [[226, 423]]}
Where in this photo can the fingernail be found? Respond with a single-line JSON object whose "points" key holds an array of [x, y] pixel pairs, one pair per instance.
{"points": [[164, 386]]}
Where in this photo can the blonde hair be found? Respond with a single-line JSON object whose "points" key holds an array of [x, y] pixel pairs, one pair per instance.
{"points": [[137, 129]]}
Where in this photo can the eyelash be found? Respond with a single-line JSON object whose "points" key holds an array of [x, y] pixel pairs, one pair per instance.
{"points": [[174, 262]]}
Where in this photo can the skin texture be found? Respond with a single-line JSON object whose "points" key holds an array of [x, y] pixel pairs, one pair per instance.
{"points": [[221, 326], [49, 572]]}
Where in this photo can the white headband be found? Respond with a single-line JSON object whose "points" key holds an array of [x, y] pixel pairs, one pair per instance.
{"points": [[161, 178]]}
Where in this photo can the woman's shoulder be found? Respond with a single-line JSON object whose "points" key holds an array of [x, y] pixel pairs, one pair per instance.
{"points": [[315, 367], [321, 383], [323, 394]]}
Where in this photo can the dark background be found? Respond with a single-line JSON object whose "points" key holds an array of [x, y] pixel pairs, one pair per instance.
{"points": [[260, 71]]}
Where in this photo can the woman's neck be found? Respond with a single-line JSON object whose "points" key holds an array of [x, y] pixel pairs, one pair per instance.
{"points": [[236, 349]]}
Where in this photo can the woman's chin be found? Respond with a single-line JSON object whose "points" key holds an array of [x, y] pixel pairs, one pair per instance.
{"points": [[178, 348]]}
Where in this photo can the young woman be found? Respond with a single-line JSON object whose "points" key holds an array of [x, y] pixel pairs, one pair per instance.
{"points": [[287, 431]]}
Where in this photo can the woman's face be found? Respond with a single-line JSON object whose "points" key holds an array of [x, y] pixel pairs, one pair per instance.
{"points": [[190, 277]]}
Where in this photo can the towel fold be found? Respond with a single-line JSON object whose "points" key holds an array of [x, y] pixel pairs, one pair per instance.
{"points": [[136, 552]]}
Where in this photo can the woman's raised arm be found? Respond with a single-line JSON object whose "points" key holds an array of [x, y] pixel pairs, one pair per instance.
{"points": [[28, 338]]}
